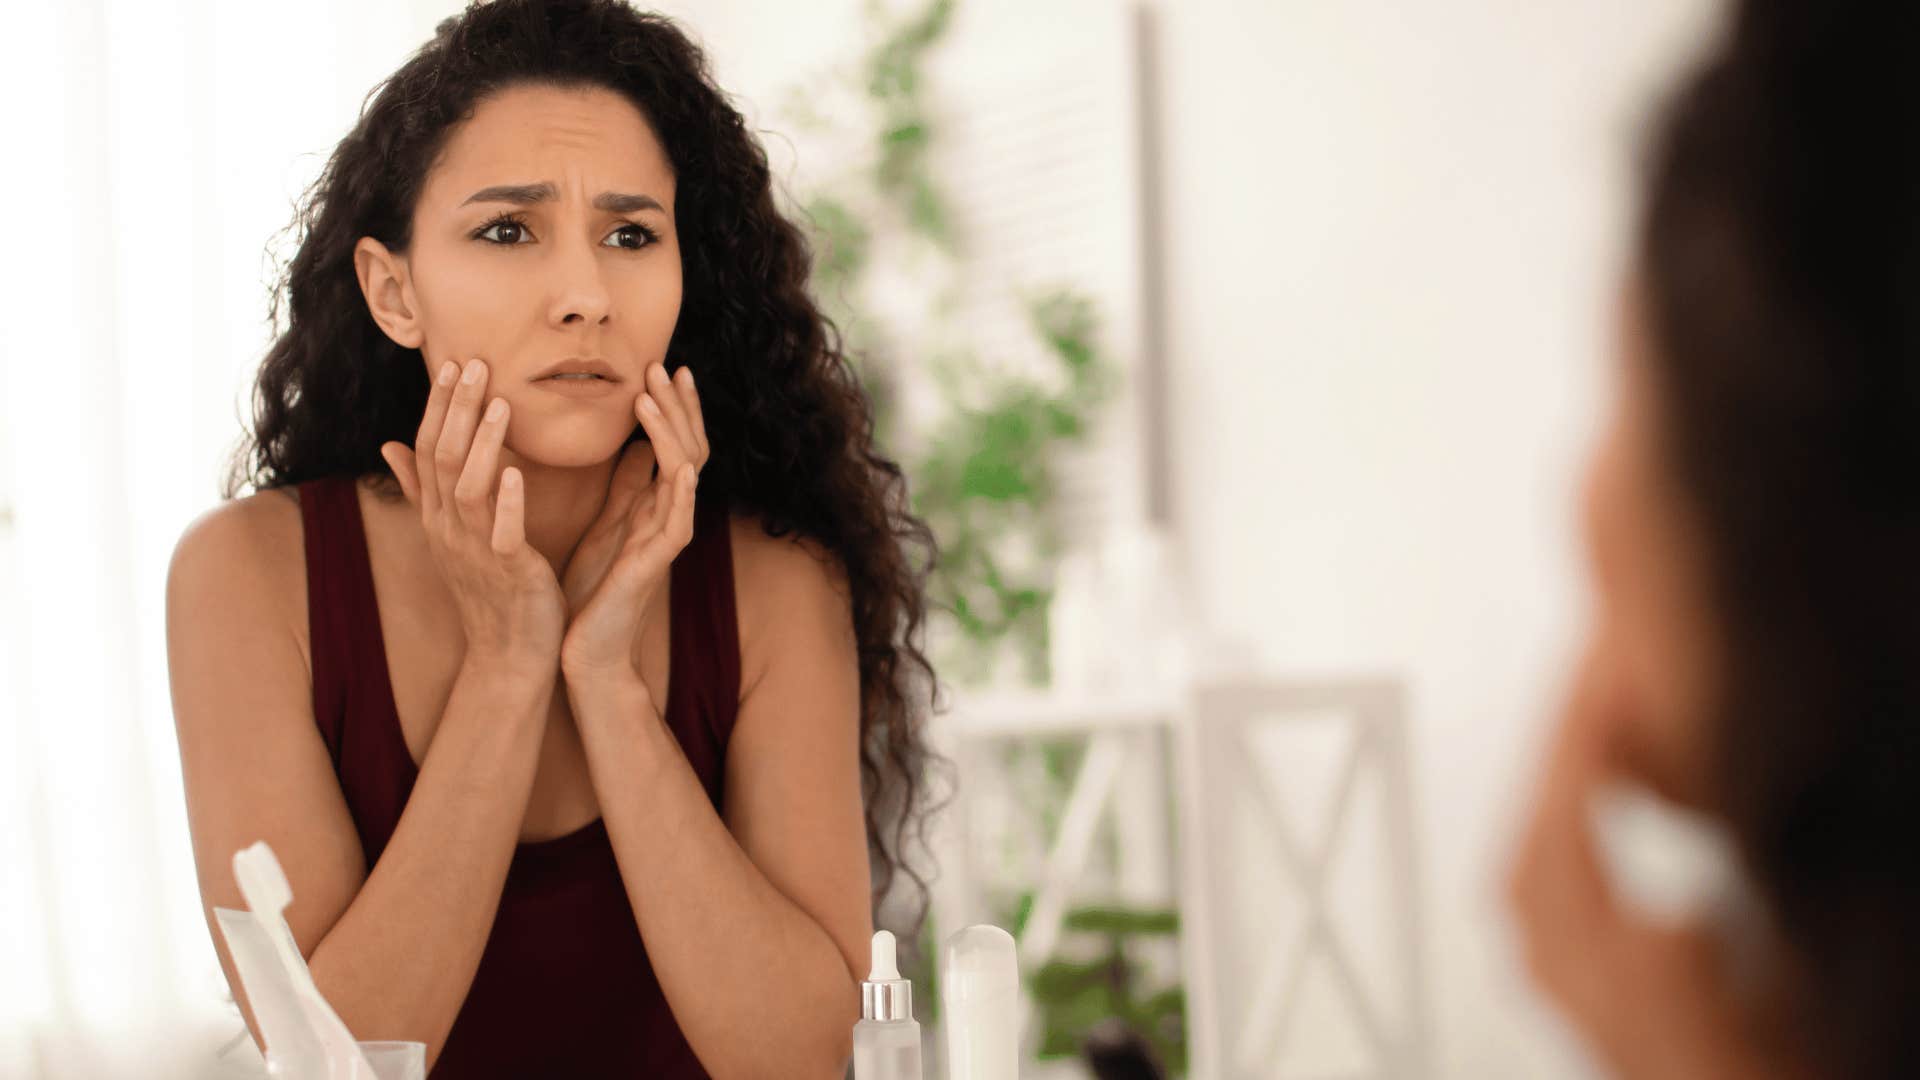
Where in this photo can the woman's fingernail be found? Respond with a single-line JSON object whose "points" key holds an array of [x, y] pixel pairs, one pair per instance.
{"points": [[497, 410], [646, 402], [448, 372], [473, 372]]}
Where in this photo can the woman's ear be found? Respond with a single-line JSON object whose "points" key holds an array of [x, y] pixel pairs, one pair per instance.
{"points": [[384, 281]]}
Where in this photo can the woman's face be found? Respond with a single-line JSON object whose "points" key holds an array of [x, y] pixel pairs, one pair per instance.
{"points": [[544, 233], [1652, 614], [1650, 994]]}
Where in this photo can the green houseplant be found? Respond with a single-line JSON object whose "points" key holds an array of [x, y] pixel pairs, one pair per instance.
{"points": [[983, 471]]}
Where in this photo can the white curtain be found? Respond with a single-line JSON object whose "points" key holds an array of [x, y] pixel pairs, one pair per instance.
{"points": [[154, 149]]}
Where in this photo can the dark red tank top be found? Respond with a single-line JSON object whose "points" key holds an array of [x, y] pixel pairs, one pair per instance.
{"points": [[564, 987]]}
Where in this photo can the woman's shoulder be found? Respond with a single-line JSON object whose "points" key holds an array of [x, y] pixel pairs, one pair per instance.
{"points": [[767, 565], [246, 526], [781, 581], [237, 554]]}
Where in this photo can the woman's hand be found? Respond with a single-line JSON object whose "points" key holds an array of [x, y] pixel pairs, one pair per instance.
{"points": [[1649, 997], [647, 520], [686, 440], [510, 604]]}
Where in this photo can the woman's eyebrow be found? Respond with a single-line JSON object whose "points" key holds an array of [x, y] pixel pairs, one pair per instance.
{"points": [[526, 194]]}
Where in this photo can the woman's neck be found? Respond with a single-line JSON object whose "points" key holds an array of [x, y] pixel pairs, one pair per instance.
{"points": [[561, 502]]}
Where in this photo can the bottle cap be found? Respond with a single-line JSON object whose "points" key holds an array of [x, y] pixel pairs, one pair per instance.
{"points": [[885, 996]]}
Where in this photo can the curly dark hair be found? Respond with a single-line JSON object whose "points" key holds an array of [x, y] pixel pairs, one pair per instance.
{"points": [[791, 429], [1780, 250]]}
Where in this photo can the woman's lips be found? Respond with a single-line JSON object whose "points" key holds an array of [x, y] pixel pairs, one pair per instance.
{"points": [[579, 388]]}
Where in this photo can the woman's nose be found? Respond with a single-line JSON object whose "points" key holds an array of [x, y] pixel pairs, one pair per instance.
{"points": [[580, 294]]}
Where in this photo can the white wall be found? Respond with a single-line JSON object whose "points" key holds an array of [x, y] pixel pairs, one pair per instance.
{"points": [[1391, 232]]}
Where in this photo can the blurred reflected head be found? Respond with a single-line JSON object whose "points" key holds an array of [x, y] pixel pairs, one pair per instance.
{"points": [[1754, 513]]}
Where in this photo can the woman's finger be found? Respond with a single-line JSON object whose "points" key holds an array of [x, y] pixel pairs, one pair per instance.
{"points": [[659, 508], [680, 520], [1584, 762], [690, 399], [474, 492], [667, 396], [648, 512], [668, 452], [456, 437], [431, 423], [1570, 920], [509, 518], [400, 460], [670, 527], [630, 477]]}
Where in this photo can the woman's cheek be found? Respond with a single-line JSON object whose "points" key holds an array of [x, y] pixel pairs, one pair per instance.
{"points": [[663, 313]]}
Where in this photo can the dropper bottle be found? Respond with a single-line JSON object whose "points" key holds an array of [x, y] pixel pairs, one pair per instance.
{"points": [[886, 1041]]}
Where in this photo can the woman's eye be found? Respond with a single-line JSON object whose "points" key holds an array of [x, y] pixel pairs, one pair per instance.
{"points": [[509, 233], [517, 228], [640, 234]]}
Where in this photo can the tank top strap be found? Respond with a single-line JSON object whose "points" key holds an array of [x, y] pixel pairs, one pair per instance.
{"points": [[352, 694], [704, 657]]}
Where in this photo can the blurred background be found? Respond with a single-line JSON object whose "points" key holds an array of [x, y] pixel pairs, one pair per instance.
{"points": [[1243, 356]]}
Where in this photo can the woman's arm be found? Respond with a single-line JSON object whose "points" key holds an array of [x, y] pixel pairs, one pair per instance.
{"points": [[769, 906], [394, 951]]}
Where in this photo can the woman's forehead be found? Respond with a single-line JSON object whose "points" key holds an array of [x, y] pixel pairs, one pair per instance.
{"points": [[534, 134]]}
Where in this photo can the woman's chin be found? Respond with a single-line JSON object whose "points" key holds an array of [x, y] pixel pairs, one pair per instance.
{"points": [[566, 450]]}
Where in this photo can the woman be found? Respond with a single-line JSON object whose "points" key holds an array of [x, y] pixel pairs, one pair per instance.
{"points": [[573, 771], [1753, 520]]}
